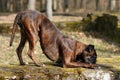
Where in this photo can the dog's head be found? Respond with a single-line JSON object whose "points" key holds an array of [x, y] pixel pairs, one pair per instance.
{"points": [[89, 55]]}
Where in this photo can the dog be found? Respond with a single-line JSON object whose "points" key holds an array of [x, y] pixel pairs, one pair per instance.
{"points": [[56, 46]]}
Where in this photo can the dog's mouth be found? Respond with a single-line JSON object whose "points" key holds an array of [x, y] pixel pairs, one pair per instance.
{"points": [[91, 60]]}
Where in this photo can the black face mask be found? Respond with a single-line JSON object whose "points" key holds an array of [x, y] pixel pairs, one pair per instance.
{"points": [[90, 48], [93, 58]]}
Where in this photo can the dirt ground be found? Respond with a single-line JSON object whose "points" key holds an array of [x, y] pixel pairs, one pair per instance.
{"points": [[9, 18]]}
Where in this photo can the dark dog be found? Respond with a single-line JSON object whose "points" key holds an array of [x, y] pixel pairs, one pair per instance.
{"points": [[56, 46]]}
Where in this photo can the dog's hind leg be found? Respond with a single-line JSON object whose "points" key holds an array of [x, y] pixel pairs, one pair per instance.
{"points": [[20, 48], [32, 37], [32, 44]]}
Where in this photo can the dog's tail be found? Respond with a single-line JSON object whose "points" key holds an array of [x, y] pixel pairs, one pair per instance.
{"points": [[14, 28]]}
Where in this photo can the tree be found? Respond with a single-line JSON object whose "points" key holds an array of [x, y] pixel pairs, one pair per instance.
{"points": [[49, 9], [117, 5], [31, 4], [97, 5], [112, 5]]}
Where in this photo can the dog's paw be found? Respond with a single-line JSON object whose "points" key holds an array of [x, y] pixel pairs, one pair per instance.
{"points": [[92, 66], [89, 66], [97, 66], [22, 64], [43, 65], [40, 65]]}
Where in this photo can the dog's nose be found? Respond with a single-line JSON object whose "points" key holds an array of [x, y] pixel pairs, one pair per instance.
{"points": [[93, 59]]}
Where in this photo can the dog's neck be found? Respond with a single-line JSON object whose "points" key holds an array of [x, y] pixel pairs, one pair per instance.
{"points": [[79, 48]]}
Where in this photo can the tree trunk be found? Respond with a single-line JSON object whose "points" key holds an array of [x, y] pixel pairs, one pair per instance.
{"points": [[31, 4], [60, 4], [49, 9], [54, 5], [117, 5], [112, 4], [21, 5], [97, 5]]}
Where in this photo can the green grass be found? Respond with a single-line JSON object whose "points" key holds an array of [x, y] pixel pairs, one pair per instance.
{"points": [[9, 56]]}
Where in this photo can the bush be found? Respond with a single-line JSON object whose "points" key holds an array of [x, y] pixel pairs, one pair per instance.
{"points": [[105, 23]]}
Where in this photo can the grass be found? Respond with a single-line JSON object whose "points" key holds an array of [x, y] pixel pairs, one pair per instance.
{"points": [[9, 56]]}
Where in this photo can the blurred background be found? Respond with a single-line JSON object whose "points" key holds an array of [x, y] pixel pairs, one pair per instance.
{"points": [[60, 5]]}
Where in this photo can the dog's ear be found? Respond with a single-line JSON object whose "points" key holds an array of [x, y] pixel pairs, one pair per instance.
{"points": [[89, 48]]}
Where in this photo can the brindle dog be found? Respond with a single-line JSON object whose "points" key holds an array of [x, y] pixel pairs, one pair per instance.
{"points": [[57, 47]]}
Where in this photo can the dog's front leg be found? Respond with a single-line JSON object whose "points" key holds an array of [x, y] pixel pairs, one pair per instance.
{"points": [[68, 62], [31, 54], [77, 64], [32, 39], [68, 58]]}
